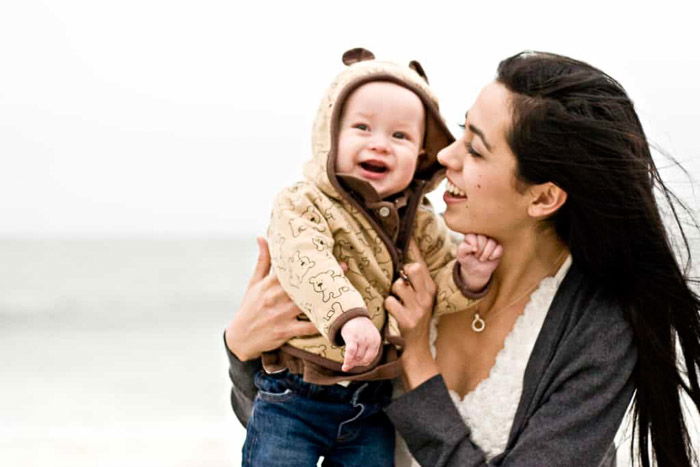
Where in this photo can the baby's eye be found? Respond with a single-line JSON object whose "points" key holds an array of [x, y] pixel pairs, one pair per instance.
{"points": [[361, 126], [400, 135]]}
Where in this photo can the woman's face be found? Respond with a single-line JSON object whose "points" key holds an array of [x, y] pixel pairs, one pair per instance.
{"points": [[481, 196]]}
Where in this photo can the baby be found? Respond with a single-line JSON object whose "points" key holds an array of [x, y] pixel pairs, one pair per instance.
{"points": [[376, 138]]}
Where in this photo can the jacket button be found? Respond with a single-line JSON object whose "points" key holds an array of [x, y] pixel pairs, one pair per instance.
{"points": [[384, 211]]}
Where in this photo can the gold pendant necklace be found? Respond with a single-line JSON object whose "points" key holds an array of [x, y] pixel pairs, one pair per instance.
{"points": [[478, 323]]}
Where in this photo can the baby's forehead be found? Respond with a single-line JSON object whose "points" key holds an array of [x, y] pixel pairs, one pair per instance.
{"points": [[380, 87], [374, 96]]}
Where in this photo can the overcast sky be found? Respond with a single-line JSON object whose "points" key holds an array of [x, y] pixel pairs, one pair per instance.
{"points": [[154, 117]]}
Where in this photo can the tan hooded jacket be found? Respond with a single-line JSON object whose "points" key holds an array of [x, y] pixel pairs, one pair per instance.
{"points": [[331, 217]]}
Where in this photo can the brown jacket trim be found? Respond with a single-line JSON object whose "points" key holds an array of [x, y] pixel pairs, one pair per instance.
{"points": [[319, 370], [335, 327], [459, 282], [319, 375], [409, 217]]}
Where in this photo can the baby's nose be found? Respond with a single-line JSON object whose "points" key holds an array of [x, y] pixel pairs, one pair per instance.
{"points": [[379, 143]]}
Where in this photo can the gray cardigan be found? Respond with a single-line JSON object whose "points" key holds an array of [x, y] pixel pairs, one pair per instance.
{"points": [[576, 388]]}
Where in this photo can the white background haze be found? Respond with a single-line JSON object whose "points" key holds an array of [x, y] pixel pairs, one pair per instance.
{"points": [[164, 118]]}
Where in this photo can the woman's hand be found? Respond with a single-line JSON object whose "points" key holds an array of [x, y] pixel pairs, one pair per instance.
{"points": [[412, 306], [267, 317]]}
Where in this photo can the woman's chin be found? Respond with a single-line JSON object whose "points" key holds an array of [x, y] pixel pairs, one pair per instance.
{"points": [[456, 219]]}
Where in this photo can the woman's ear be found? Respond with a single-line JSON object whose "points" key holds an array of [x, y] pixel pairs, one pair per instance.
{"points": [[546, 199]]}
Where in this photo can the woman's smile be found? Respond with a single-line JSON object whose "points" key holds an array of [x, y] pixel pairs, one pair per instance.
{"points": [[453, 194]]}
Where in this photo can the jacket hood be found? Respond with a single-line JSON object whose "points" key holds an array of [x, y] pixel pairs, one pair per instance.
{"points": [[361, 69]]}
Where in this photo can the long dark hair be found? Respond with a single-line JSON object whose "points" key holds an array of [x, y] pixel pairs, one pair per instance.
{"points": [[575, 126]]}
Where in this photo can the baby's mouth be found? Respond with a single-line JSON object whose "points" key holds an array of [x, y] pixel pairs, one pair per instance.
{"points": [[374, 166]]}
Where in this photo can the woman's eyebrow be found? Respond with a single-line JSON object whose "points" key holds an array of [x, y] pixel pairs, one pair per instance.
{"points": [[480, 134], [477, 132]]}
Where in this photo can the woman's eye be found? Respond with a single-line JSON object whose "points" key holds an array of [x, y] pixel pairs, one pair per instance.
{"points": [[471, 151]]}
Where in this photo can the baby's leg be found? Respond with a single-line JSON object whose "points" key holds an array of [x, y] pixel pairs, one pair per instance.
{"points": [[366, 437], [294, 423], [281, 431]]}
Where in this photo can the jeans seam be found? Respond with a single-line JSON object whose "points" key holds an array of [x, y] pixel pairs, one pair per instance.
{"points": [[355, 403]]}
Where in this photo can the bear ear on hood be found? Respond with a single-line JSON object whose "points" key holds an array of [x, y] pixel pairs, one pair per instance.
{"points": [[418, 68], [357, 54]]}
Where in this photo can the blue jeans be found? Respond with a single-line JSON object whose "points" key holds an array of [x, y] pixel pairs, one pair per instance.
{"points": [[294, 423]]}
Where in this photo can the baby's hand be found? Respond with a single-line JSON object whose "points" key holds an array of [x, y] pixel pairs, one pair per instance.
{"points": [[362, 341], [478, 255]]}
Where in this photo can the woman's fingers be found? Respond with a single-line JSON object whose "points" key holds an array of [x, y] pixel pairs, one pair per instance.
{"points": [[393, 306], [302, 328], [414, 252], [419, 276], [407, 316], [411, 292], [262, 267]]}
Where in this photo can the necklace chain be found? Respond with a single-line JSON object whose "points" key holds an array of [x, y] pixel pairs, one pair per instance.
{"points": [[478, 323]]}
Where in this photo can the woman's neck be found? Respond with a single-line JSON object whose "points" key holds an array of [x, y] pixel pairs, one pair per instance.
{"points": [[526, 260]]}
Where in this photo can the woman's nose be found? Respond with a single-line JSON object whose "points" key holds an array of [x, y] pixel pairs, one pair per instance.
{"points": [[449, 157]]}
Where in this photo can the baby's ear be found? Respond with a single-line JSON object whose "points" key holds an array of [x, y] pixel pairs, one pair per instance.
{"points": [[418, 68], [357, 54]]}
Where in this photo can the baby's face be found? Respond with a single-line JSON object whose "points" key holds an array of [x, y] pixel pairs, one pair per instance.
{"points": [[381, 135]]}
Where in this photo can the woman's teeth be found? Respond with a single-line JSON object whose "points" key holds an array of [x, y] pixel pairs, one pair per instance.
{"points": [[453, 190]]}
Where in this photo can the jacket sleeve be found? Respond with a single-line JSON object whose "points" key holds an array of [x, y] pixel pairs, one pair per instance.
{"points": [[574, 423], [438, 250], [243, 391], [301, 248]]}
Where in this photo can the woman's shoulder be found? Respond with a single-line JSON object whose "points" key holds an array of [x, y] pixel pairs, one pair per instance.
{"points": [[586, 309]]}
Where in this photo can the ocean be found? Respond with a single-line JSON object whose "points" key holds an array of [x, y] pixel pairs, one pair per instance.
{"points": [[113, 351]]}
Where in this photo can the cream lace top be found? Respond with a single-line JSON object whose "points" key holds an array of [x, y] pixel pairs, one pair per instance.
{"points": [[489, 409]]}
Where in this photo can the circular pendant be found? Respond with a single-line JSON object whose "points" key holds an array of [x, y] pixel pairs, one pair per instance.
{"points": [[478, 324]]}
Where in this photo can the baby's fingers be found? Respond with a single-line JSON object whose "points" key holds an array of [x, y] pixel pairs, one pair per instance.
{"points": [[349, 361], [497, 253], [464, 249], [470, 239], [489, 248], [481, 243]]}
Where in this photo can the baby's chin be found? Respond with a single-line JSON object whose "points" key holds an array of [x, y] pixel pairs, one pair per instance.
{"points": [[382, 190], [382, 187]]}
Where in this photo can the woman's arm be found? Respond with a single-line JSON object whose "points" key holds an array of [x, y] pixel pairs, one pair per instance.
{"points": [[265, 320]]}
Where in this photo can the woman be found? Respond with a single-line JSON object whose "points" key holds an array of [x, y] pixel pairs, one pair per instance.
{"points": [[585, 307]]}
